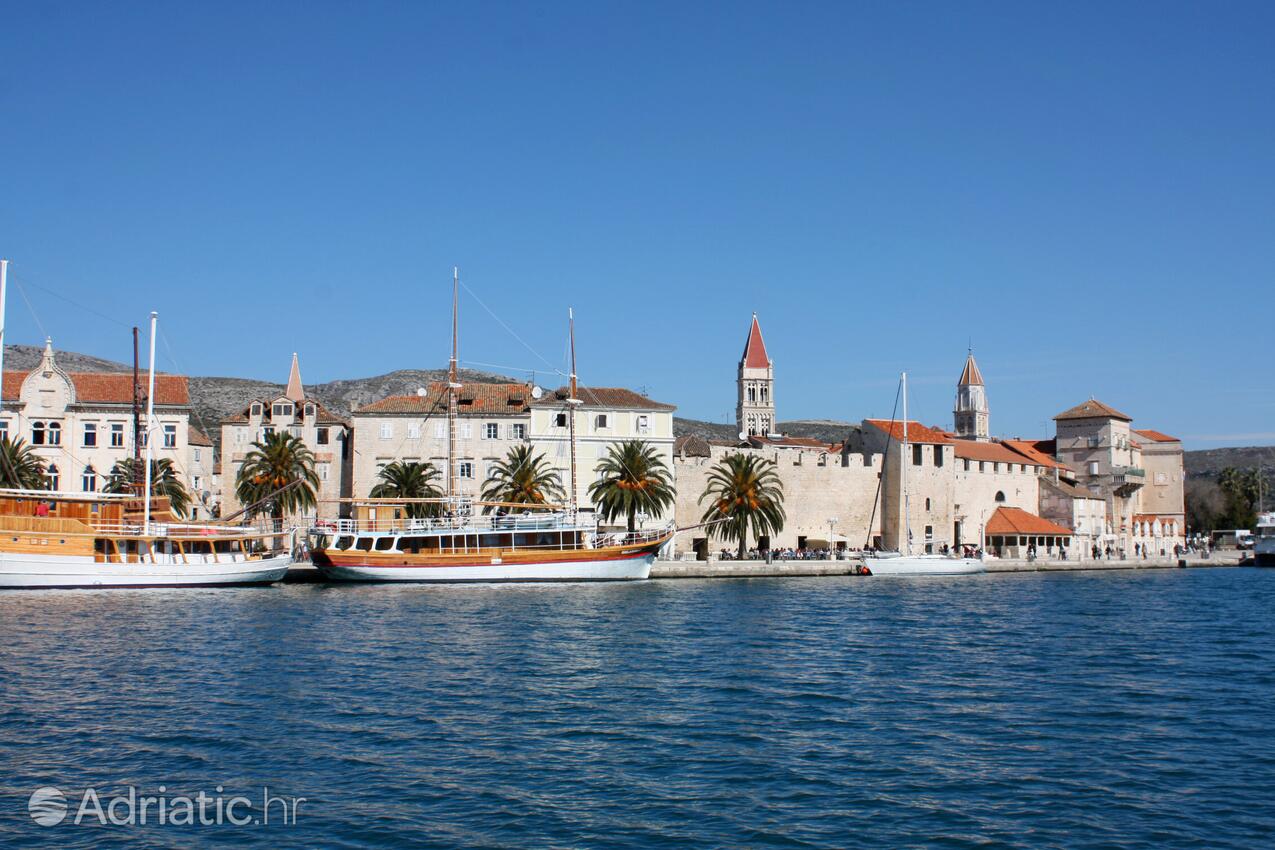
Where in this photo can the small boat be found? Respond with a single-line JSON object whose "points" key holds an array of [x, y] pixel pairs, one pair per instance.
{"points": [[905, 563], [514, 542], [1264, 541]]}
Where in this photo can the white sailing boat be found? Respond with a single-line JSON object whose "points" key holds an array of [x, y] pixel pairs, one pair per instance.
{"points": [[904, 563]]}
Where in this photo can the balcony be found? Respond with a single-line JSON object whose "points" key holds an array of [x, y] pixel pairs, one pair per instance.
{"points": [[1126, 480]]}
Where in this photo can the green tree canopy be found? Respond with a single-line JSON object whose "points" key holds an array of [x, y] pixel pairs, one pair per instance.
{"points": [[20, 467], [523, 478], [409, 480], [164, 482], [272, 464], [634, 479], [744, 492]]}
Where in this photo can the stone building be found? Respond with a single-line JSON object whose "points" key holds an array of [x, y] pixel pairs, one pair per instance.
{"points": [[326, 435], [930, 486], [205, 486], [81, 423], [493, 418], [829, 494], [989, 476], [1160, 522], [755, 385], [1075, 508], [605, 417]]}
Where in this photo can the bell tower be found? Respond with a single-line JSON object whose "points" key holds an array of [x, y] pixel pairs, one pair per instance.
{"points": [[755, 410], [971, 414]]}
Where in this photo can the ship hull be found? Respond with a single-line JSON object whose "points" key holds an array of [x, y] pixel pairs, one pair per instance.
{"points": [[18, 571], [571, 566], [924, 565]]}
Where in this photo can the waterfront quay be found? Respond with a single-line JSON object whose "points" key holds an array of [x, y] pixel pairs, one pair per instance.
{"points": [[779, 569]]}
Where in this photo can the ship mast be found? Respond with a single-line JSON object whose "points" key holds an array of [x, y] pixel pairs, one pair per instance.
{"points": [[903, 473], [4, 281], [453, 385], [137, 423], [572, 403], [150, 420]]}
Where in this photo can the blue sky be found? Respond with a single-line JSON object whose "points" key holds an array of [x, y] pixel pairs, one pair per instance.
{"points": [[1085, 192]]}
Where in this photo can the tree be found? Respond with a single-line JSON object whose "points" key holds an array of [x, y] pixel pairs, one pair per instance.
{"points": [[20, 467], [744, 492], [634, 478], [1241, 489], [523, 478], [409, 480], [272, 464], [164, 482]]}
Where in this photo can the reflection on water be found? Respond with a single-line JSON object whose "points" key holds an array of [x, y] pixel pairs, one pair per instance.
{"points": [[1128, 710]]}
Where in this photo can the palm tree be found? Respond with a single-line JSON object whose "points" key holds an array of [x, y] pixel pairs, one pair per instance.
{"points": [[634, 478], [409, 480], [275, 462], [20, 466], [522, 478], [743, 492], [164, 482]]}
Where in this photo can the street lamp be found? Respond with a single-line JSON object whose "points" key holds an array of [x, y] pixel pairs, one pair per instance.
{"points": [[832, 548]]}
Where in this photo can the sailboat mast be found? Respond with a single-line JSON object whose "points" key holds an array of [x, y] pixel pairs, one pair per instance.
{"points": [[150, 418], [137, 420], [4, 287], [903, 473], [453, 385], [571, 403]]}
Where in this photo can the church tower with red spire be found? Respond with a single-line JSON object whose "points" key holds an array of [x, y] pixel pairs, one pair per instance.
{"points": [[755, 411], [971, 413]]}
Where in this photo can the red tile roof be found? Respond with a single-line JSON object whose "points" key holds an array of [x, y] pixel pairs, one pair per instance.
{"points": [[197, 438], [1018, 521], [970, 375], [917, 433], [613, 397], [755, 356], [1156, 436], [1039, 452], [472, 398], [109, 388], [995, 452], [1092, 409], [791, 442]]}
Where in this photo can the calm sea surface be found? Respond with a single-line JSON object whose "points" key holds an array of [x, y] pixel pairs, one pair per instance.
{"points": [[1077, 710]]}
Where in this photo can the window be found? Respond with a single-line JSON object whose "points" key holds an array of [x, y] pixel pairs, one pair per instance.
{"points": [[927, 504], [465, 469], [601, 420], [52, 474], [1000, 495], [765, 394], [323, 471], [752, 393], [198, 455], [198, 482], [90, 434], [321, 436], [37, 433], [466, 430], [309, 411], [4, 428], [982, 466], [518, 431], [295, 430], [266, 433], [117, 435], [170, 436], [55, 433], [143, 438], [387, 430], [966, 462], [256, 408], [413, 431], [281, 409], [560, 420], [491, 431], [916, 454], [643, 424], [938, 456], [88, 481], [440, 430]]}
